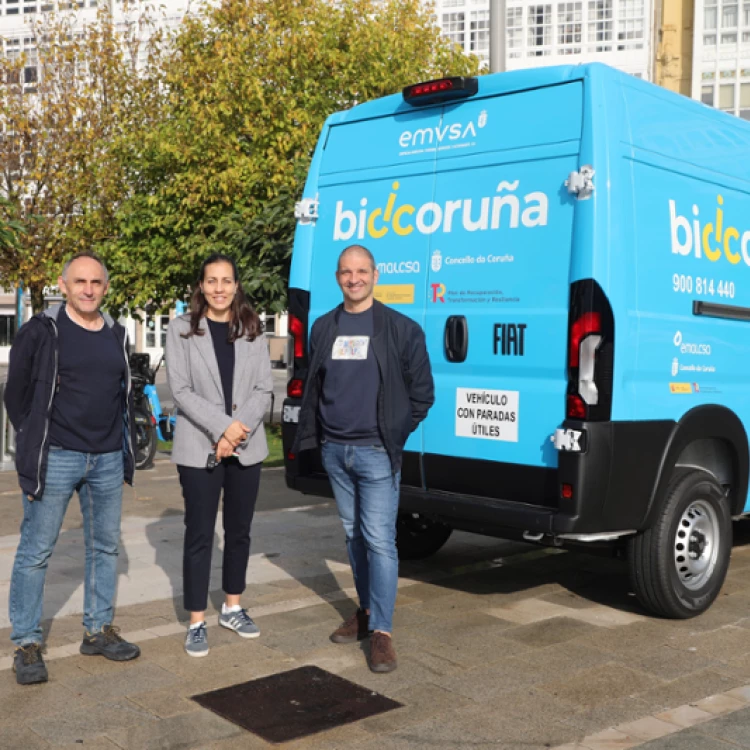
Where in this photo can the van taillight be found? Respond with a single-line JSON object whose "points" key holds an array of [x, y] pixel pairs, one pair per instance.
{"points": [[296, 329], [295, 388], [590, 353], [299, 308]]}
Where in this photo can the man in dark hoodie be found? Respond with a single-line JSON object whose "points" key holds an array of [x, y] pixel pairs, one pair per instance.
{"points": [[369, 386], [68, 396]]}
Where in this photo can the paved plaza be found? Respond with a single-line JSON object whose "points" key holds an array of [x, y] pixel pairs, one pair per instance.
{"points": [[500, 645]]}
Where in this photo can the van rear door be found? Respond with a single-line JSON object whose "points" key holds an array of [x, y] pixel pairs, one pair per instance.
{"points": [[371, 179], [500, 225]]}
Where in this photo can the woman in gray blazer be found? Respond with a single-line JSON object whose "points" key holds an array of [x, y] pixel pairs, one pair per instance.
{"points": [[219, 372]]}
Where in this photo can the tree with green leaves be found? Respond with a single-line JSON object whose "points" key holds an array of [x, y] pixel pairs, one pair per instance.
{"points": [[246, 87], [65, 107]]}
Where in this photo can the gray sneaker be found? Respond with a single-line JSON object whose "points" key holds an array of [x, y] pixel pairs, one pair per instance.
{"points": [[196, 641], [241, 622]]}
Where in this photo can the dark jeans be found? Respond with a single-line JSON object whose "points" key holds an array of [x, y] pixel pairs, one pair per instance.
{"points": [[201, 489]]}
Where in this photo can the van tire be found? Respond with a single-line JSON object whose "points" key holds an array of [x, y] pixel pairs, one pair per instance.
{"points": [[667, 582], [418, 537]]}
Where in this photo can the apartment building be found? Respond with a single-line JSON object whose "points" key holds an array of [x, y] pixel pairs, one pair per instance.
{"points": [[616, 32]]}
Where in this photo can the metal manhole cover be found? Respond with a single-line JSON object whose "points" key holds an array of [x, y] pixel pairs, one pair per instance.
{"points": [[294, 704]]}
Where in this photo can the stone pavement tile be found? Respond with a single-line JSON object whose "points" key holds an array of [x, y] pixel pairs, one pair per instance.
{"points": [[419, 703], [610, 739], [630, 638], [688, 739], [666, 662], [304, 617], [606, 682], [491, 723], [300, 642], [13, 736], [69, 726], [724, 644], [720, 704], [713, 618], [26, 702], [226, 665], [165, 702], [473, 626], [734, 727], [192, 730], [609, 713], [141, 677], [685, 716], [412, 670], [741, 693], [549, 632], [244, 741], [484, 684], [334, 660], [90, 743], [453, 605], [425, 591], [570, 599], [648, 728], [554, 662], [688, 689], [444, 731], [338, 738]]}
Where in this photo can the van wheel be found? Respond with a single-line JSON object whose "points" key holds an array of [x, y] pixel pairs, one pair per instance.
{"points": [[418, 537], [678, 566]]}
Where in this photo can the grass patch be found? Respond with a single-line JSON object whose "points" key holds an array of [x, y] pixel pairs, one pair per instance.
{"points": [[273, 437]]}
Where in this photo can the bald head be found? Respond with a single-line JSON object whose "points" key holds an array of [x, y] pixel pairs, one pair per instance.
{"points": [[356, 250], [357, 275]]}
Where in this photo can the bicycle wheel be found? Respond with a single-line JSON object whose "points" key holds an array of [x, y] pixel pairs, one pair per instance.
{"points": [[145, 439]]}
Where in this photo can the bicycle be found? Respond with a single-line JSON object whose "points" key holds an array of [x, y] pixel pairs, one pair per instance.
{"points": [[150, 422]]}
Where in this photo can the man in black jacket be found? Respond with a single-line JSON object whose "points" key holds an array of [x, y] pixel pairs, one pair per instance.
{"points": [[68, 397], [369, 386]]}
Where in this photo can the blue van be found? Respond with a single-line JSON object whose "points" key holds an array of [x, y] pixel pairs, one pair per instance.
{"points": [[575, 244]]}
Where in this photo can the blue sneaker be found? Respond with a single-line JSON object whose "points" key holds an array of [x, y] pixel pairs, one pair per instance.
{"points": [[196, 641], [241, 622]]}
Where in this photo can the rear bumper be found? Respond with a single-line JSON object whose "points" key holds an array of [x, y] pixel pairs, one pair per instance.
{"points": [[612, 481]]}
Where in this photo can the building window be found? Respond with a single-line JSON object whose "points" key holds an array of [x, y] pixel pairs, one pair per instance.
{"points": [[515, 31], [746, 15], [729, 38], [540, 29], [630, 23], [710, 16], [709, 40], [729, 15], [7, 329], [600, 23], [745, 101], [269, 325], [726, 97], [707, 95], [453, 27], [569, 28], [156, 331], [479, 32]]}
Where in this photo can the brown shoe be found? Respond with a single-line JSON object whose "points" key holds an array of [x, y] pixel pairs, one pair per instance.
{"points": [[354, 629], [382, 653]]}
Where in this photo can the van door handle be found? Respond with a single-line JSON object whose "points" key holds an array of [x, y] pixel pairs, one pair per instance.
{"points": [[456, 338]]}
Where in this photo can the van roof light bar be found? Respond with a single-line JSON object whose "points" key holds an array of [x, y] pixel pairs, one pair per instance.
{"points": [[440, 90]]}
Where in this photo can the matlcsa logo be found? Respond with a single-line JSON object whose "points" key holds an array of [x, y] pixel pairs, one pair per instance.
{"points": [[441, 134]]}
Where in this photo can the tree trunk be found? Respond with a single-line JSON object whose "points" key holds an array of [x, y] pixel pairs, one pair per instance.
{"points": [[36, 291]]}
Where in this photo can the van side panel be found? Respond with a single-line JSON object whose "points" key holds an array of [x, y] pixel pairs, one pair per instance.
{"points": [[692, 249]]}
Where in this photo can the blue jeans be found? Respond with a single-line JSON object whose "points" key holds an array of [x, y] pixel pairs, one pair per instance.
{"points": [[98, 478], [367, 494]]}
